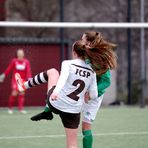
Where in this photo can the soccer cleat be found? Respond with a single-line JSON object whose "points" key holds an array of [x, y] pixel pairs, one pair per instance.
{"points": [[42, 116], [20, 82], [23, 112], [10, 111]]}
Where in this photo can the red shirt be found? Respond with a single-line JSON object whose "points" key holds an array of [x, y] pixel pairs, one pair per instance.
{"points": [[19, 66]]}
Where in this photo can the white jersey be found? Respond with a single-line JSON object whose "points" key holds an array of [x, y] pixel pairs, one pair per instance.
{"points": [[75, 79]]}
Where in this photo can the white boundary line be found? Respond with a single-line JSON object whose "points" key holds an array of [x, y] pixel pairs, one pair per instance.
{"points": [[58, 136], [73, 24]]}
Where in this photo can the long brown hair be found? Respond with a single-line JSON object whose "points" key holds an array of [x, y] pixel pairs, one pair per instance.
{"points": [[100, 52], [95, 37], [100, 55], [80, 48]]}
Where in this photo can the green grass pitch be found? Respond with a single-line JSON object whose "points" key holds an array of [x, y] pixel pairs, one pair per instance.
{"points": [[114, 127]]}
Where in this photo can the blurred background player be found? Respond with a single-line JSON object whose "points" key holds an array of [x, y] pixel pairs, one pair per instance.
{"points": [[22, 66]]}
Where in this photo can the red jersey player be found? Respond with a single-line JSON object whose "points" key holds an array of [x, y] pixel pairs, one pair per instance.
{"points": [[22, 66]]}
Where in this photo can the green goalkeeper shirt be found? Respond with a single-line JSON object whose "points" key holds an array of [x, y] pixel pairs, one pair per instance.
{"points": [[103, 82]]}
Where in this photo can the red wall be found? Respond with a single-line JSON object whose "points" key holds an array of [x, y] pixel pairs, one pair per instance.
{"points": [[41, 57]]}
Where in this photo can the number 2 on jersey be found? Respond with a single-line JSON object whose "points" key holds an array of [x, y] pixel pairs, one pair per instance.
{"points": [[74, 94]]}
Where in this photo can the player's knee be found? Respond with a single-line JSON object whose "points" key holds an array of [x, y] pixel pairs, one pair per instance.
{"points": [[52, 71], [86, 126]]}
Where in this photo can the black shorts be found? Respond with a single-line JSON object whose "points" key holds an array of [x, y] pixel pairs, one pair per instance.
{"points": [[69, 120]]}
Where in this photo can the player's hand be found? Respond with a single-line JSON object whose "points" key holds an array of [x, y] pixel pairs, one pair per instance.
{"points": [[54, 96], [87, 97], [2, 77]]}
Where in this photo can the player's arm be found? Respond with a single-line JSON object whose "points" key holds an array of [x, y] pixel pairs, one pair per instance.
{"points": [[9, 68], [62, 79], [92, 90], [7, 71], [104, 81]]}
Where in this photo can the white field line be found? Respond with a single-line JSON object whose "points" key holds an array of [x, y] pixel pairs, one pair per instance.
{"points": [[58, 136]]}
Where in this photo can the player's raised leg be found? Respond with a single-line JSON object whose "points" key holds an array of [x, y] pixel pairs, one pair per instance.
{"points": [[53, 76]]}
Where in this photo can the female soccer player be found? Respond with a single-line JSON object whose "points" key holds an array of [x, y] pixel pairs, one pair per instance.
{"points": [[67, 98], [22, 66], [95, 39]]}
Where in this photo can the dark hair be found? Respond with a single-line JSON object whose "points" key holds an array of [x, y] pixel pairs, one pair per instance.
{"points": [[80, 48]]}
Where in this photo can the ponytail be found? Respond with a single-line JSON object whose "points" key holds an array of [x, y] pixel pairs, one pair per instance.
{"points": [[80, 48], [100, 53]]}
